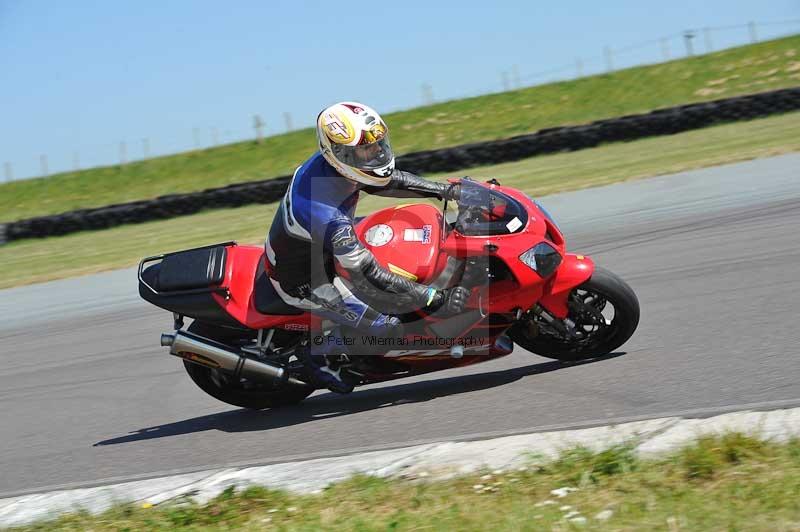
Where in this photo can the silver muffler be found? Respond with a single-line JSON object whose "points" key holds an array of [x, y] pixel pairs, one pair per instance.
{"points": [[215, 355]]}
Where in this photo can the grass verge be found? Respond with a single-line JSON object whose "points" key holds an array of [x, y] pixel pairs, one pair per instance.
{"points": [[31, 261], [747, 69], [732, 482]]}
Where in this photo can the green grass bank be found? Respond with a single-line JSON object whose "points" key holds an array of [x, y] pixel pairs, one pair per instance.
{"points": [[748, 69], [728, 482], [32, 261]]}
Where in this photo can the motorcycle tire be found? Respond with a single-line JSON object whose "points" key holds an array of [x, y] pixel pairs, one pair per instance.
{"points": [[602, 286]]}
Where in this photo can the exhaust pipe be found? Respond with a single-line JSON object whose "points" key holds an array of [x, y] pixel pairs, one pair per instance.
{"points": [[215, 355]]}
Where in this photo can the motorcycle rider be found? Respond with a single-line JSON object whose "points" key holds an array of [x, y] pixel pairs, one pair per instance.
{"points": [[313, 230]]}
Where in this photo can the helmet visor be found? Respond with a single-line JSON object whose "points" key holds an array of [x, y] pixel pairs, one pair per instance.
{"points": [[368, 156]]}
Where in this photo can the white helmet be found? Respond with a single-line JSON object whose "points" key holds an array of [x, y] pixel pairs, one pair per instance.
{"points": [[354, 139]]}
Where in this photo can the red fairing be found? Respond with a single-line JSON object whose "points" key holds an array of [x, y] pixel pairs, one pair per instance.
{"points": [[240, 274], [574, 270], [527, 286]]}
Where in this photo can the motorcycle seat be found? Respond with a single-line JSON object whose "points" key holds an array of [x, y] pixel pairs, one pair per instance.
{"points": [[267, 300], [192, 269]]}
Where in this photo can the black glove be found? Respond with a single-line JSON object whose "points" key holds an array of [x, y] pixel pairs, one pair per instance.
{"points": [[451, 300], [452, 192]]}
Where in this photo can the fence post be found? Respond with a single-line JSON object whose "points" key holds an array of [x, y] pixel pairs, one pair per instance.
{"points": [[707, 39], [515, 77], [504, 78], [258, 125], [8, 171], [753, 34], [609, 59], [579, 67], [287, 118], [76, 161], [688, 35], [43, 163], [427, 94], [145, 148]]}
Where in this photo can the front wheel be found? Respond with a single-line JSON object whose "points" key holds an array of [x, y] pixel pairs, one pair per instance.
{"points": [[240, 392], [605, 313]]}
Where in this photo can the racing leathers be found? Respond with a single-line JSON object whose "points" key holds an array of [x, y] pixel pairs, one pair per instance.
{"points": [[313, 229]]}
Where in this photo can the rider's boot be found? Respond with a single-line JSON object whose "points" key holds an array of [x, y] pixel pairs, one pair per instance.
{"points": [[323, 366]]}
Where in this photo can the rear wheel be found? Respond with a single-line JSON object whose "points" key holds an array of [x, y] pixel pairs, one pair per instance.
{"points": [[242, 393], [605, 313]]}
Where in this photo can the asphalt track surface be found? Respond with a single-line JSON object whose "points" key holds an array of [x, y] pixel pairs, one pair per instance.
{"points": [[87, 395]]}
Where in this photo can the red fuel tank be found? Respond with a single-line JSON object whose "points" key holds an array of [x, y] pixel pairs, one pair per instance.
{"points": [[405, 240]]}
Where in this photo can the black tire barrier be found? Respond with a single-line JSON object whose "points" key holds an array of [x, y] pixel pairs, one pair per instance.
{"points": [[551, 140], [160, 208], [625, 128]]}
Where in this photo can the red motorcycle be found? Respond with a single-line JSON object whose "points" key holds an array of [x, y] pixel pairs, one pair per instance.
{"points": [[499, 243]]}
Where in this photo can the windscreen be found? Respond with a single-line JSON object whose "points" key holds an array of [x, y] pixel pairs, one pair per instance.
{"points": [[483, 211]]}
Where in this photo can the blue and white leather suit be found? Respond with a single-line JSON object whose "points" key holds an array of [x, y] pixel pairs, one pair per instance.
{"points": [[313, 228]]}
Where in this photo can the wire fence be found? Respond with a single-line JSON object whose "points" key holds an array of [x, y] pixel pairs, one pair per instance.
{"points": [[687, 43]]}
